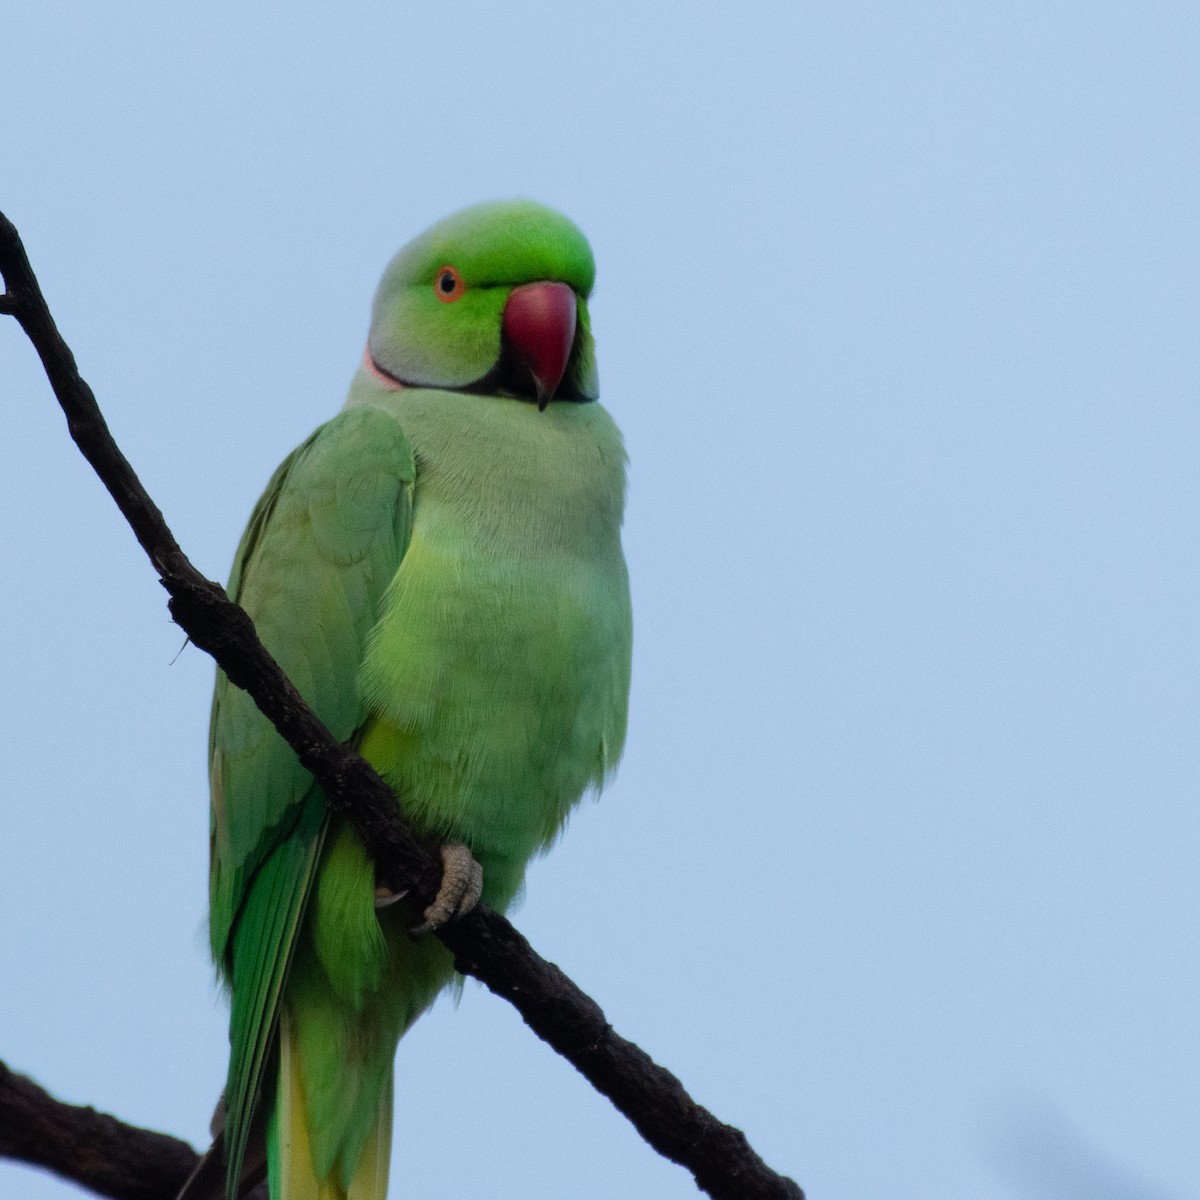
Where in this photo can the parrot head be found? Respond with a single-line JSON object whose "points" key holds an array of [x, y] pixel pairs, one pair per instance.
{"points": [[491, 300]]}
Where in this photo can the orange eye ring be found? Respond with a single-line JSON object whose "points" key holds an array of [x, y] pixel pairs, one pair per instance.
{"points": [[448, 284]]}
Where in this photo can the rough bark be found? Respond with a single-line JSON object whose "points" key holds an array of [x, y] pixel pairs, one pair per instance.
{"points": [[91, 1148]]}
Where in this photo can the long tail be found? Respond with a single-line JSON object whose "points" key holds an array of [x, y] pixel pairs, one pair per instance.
{"points": [[289, 1151]]}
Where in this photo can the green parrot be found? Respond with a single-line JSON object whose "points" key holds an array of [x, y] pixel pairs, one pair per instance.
{"points": [[439, 571]]}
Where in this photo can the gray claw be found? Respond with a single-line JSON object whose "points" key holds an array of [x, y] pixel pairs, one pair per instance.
{"points": [[385, 897]]}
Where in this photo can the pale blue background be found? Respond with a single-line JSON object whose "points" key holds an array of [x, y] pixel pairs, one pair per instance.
{"points": [[898, 309]]}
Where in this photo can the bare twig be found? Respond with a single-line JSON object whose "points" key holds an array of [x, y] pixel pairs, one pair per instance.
{"points": [[484, 944]]}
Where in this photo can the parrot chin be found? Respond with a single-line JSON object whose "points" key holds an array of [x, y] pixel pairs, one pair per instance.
{"points": [[377, 373]]}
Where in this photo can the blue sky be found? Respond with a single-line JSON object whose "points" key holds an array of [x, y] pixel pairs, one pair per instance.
{"points": [[897, 307]]}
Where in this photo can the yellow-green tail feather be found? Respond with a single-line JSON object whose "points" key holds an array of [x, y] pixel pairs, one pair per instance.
{"points": [[289, 1146]]}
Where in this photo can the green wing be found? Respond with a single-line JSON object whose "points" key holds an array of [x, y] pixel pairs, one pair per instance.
{"points": [[321, 548]]}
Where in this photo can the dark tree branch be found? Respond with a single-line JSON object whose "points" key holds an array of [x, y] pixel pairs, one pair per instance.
{"points": [[484, 944], [93, 1149]]}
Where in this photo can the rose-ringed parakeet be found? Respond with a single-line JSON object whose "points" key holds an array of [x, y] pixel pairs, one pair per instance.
{"points": [[439, 571]]}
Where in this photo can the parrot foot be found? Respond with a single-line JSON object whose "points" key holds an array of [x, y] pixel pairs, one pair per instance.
{"points": [[458, 893]]}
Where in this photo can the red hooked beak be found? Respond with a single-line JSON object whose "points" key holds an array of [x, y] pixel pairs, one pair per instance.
{"points": [[539, 330]]}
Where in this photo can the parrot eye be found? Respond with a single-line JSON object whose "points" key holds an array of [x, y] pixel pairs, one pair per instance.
{"points": [[448, 285]]}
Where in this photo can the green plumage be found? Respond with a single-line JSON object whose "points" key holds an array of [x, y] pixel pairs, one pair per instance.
{"points": [[438, 569]]}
